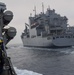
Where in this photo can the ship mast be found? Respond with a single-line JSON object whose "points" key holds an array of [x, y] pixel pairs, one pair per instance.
{"points": [[42, 8], [48, 7], [35, 10]]}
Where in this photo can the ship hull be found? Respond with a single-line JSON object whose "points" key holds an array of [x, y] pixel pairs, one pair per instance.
{"points": [[45, 43], [37, 42]]}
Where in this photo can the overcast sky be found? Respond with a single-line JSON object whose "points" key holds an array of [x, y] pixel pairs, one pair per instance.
{"points": [[22, 9]]}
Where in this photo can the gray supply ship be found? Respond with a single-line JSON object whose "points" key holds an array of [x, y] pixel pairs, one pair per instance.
{"points": [[48, 29]]}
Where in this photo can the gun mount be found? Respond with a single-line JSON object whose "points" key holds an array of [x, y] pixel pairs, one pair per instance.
{"points": [[6, 34]]}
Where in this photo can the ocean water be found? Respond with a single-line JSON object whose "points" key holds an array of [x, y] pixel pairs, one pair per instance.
{"points": [[42, 61]]}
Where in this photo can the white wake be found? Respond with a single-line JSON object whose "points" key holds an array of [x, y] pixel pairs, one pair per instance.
{"points": [[25, 72]]}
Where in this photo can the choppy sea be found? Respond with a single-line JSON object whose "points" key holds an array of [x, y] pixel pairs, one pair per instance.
{"points": [[42, 61]]}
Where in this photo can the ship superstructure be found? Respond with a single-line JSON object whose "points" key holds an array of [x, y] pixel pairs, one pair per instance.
{"points": [[48, 30]]}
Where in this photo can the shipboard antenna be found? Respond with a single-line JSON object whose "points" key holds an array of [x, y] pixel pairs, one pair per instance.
{"points": [[35, 10], [49, 7], [42, 8]]}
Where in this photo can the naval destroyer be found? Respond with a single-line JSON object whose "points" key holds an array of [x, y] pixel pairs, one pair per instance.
{"points": [[48, 29]]}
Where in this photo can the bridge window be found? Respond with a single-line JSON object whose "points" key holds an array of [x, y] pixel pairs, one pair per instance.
{"points": [[53, 37]]}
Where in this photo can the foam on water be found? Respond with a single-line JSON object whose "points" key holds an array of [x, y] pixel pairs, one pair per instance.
{"points": [[63, 50], [25, 72]]}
